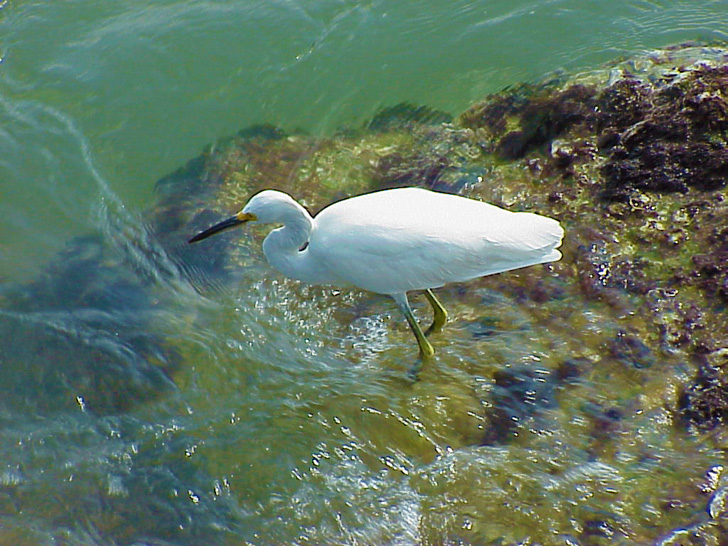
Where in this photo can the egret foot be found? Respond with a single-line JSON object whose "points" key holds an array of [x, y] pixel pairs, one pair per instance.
{"points": [[426, 350], [440, 317]]}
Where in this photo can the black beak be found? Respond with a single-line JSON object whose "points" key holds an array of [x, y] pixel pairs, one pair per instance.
{"points": [[225, 224]]}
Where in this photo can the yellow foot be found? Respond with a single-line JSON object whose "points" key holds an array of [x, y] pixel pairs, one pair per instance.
{"points": [[440, 314], [426, 351]]}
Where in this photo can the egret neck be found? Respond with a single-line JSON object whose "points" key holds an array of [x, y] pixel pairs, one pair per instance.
{"points": [[286, 248]]}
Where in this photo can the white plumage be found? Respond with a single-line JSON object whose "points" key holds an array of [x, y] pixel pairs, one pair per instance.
{"points": [[412, 239], [398, 240]]}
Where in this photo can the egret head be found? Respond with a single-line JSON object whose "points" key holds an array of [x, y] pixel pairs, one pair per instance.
{"points": [[266, 207], [271, 207]]}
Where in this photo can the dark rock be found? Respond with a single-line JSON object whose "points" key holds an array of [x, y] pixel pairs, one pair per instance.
{"points": [[712, 273], [492, 114], [397, 170], [621, 105], [483, 327], [598, 528], [262, 131], [546, 117], [631, 351], [522, 393], [78, 337], [518, 394], [703, 404], [403, 114], [665, 138]]}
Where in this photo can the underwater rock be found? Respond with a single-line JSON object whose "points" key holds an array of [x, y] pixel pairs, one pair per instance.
{"points": [[522, 394], [711, 270], [546, 118], [77, 337], [395, 170], [631, 159], [403, 114], [709, 527], [629, 350]]}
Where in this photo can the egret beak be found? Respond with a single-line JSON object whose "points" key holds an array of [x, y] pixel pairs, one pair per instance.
{"points": [[238, 219]]}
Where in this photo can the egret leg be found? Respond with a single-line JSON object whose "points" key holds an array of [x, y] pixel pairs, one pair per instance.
{"points": [[426, 350], [440, 317]]}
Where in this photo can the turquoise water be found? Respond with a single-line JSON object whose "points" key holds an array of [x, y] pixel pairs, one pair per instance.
{"points": [[276, 427]]}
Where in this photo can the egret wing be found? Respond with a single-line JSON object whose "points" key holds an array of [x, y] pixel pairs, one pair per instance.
{"points": [[399, 240]]}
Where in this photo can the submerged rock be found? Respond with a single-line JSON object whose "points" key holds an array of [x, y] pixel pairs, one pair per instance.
{"points": [[521, 395], [78, 337]]}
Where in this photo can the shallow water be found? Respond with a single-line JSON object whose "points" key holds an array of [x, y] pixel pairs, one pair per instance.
{"points": [[258, 409]]}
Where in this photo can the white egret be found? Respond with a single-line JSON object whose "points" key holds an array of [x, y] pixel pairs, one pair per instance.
{"points": [[394, 241]]}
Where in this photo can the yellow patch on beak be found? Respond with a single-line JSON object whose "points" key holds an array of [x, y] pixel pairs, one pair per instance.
{"points": [[246, 217]]}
